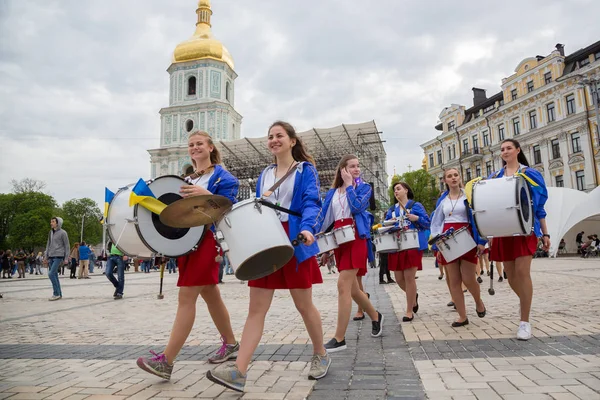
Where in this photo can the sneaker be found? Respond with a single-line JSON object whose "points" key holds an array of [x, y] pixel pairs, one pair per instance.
{"points": [[156, 365], [54, 298], [500, 279], [333, 345], [377, 326], [226, 352], [524, 332], [319, 365], [118, 296], [228, 376]]}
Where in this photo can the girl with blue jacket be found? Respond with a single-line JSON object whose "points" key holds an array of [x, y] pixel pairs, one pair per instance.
{"points": [[346, 204], [452, 210], [199, 270], [299, 193], [517, 251], [406, 263]]}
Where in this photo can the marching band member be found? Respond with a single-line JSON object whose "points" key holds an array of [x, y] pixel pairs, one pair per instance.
{"points": [[516, 252], [199, 270], [346, 204], [452, 211], [299, 192], [406, 263]]}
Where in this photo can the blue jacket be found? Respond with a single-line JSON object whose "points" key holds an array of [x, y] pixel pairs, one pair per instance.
{"points": [[539, 194], [358, 200], [224, 184], [84, 253], [437, 221], [422, 225], [307, 202]]}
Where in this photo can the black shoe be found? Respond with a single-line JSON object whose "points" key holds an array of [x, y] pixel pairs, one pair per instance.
{"points": [[441, 277], [488, 273], [482, 313], [116, 293], [450, 304], [333, 345], [504, 273], [377, 326], [500, 279], [118, 297], [456, 324], [359, 318], [406, 319], [382, 282], [391, 280], [416, 306], [479, 279], [481, 272], [368, 296]]}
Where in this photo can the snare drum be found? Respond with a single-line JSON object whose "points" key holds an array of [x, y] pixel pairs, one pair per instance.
{"points": [[457, 244], [344, 234], [254, 239], [386, 242], [326, 242], [137, 231], [502, 207], [408, 239]]}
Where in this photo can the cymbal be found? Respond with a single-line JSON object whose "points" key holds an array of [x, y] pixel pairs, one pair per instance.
{"points": [[195, 211]]}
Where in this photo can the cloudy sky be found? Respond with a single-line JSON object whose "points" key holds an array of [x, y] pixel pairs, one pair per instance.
{"points": [[81, 82]]}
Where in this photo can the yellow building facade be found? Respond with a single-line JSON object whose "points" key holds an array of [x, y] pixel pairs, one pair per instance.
{"points": [[547, 105]]}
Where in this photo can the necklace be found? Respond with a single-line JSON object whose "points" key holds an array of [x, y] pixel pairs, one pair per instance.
{"points": [[341, 194], [276, 193], [197, 174], [453, 205]]}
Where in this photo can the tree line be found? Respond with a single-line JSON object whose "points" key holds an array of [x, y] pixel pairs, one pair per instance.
{"points": [[25, 216]]}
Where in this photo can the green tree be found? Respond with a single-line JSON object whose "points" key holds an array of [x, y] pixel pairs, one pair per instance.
{"points": [[423, 186], [7, 215], [27, 219], [77, 209]]}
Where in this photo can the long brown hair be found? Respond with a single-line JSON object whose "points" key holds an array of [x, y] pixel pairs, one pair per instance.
{"points": [[215, 155], [338, 181], [299, 152]]}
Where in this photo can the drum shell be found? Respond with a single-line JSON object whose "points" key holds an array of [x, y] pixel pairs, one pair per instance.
{"points": [[408, 239], [386, 243], [326, 242], [502, 207], [254, 239], [456, 245], [344, 234]]}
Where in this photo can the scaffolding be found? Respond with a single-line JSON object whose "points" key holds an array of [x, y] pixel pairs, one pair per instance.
{"points": [[246, 158]]}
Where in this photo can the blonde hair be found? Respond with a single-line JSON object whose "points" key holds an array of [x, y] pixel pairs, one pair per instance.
{"points": [[459, 174], [215, 155]]}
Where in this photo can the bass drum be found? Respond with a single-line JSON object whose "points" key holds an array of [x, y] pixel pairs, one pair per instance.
{"points": [[139, 232]]}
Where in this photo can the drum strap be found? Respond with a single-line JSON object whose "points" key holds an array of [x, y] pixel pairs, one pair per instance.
{"points": [[279, 182], [279, 208]]}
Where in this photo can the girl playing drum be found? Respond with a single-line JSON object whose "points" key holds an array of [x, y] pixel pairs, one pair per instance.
{"points": [[452, 211], [516, 252], [199, 270], [406, 263], [346, 205], [299, 192]]}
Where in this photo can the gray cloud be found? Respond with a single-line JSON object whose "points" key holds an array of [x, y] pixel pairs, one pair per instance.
{"points": [[81, 83]]}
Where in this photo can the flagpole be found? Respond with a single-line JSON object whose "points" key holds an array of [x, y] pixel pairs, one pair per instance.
{"points": [[82, 220]]}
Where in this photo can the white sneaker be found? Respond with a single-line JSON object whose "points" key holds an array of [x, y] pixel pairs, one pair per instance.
{"points": [[524, 332], [54, 298]]}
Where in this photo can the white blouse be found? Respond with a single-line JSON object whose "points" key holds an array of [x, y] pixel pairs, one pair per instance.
{"points": [[458, 214], [340, 206], [282, 196], [201, 180]]}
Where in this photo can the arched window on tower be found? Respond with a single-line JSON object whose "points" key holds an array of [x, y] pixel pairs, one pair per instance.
{"points": [[189, 125], [191, 86], [227, 95]]}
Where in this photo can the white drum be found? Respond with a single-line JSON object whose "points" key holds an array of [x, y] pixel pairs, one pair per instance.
{"points": [[326, 242], [455, 245], [502, 207], [138, 232], [386, 242], [408, 239], [344, 234], [254, 239]]}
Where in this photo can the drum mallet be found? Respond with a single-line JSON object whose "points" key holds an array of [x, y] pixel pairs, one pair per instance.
{"points": [[162, 275], [299, 239]]}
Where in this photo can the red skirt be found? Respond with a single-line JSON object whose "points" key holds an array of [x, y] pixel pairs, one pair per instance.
{"points": [[292, 275], [470, 256], [351, 255], [512, 247], [199, 268], [406, 259]]}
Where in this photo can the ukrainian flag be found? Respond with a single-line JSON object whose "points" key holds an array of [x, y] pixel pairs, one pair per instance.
{"points": [[142, 195], [108, 198]]}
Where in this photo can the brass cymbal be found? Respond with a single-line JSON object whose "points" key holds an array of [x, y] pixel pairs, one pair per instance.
{"points": [[195, 211]]}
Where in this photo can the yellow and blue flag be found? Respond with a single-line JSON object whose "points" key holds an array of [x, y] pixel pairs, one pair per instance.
{"points": [[108, 197], [142, 195]]}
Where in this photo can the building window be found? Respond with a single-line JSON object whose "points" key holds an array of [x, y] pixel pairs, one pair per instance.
{"points": [[449, 153], [584, 62], [597, 55], [431, 160], [555, 149], [501, 132], [529, 86], [477, 171], [548, 77], [189, 125], [516, 126], [537, 155], [453, 151], [532, 119], [576, 142], [475, 144], [227, 96], [191, 86], [488, 168], [486, 139], [513, 94], [550, 111], [469, 174], [570, 104], [580, 179], [559, 181], [439, 156], [466, 146], [451, 125]]}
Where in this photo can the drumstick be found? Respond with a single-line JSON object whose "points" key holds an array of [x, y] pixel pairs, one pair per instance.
{"points": [[491, 290], [300, 239], [162, 274]]}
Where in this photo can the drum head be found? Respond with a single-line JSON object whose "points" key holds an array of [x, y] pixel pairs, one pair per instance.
{"points": [[264, 263], [525, 208]]}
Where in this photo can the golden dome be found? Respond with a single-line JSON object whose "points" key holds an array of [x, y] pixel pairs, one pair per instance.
{"points": [[202, 44]]}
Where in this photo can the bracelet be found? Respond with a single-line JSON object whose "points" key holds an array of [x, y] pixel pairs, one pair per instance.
{"points": [[546, 235]]}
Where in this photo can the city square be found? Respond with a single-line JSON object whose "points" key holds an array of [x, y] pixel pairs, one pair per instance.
{"points": [[85, 346]]}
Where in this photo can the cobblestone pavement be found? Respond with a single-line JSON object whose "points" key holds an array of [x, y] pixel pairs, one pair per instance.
{"points": [[84, 346]]}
